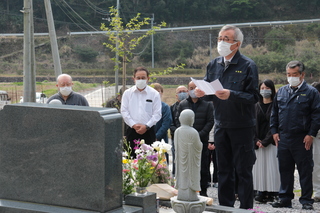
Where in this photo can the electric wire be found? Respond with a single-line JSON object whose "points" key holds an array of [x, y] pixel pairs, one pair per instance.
{"points": [[96, 9], [92, 27], [66, 13]]}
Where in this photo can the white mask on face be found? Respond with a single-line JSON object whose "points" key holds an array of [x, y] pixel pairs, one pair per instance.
{"points": [[141, 84], [224, 48], [294, 81], [65, 91]]}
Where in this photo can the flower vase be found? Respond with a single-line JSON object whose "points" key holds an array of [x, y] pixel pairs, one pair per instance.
{"points": [[141, 190]]}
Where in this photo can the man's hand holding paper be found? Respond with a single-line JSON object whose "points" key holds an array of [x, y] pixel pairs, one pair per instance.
{"points": [[206, 87]]}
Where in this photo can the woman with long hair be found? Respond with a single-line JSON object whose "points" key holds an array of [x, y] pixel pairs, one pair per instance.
{"points": [[266, 177]]}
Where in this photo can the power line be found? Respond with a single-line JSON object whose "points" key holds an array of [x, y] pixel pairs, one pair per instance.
{"points": [[79, 16], [96, 9]]}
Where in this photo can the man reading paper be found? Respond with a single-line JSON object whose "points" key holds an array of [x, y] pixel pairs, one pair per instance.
{"points": [[234, 115]]}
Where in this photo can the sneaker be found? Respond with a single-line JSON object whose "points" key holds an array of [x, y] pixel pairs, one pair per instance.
{"points": [[307, 206], [281, 204]]}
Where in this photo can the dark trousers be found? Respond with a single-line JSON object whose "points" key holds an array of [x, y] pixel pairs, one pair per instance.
{"points": [[291, 152], [173, 158], [213, 158], [235, 154], [149, 137], [204, 176]]}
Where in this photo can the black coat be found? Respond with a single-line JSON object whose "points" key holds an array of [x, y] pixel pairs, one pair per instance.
{"points": [[203, 121], [263, 132]]}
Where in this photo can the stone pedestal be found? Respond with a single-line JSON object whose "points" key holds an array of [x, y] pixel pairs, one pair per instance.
{"points": [[60, 156], [148, 202], [180, 206]]}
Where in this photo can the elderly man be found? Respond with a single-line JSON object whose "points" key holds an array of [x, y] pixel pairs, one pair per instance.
{"points": [[295, 121], [65, 94], [234, 115]]}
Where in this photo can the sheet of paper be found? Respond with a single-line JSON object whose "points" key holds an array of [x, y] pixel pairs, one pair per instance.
{"points": [[208, 88]]}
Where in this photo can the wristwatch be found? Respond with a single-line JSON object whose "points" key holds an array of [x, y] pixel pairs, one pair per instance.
{"points": [[147, 127]]}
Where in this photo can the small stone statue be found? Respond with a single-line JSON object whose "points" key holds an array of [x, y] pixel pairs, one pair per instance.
{"points": [[188, 158]]}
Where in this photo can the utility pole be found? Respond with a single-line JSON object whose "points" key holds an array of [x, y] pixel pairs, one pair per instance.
{"points": [[210, 47], [29, 68], [152, 41], [53, 39], [116, 76]]}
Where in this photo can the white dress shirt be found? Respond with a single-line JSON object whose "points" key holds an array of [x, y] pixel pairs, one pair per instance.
{"points": [[141, 107]]}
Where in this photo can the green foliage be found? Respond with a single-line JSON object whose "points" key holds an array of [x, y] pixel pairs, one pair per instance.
{"points": [[278, 39], [86, 54], [271, 62], [182, 49], [120, 35], [165, 72]]}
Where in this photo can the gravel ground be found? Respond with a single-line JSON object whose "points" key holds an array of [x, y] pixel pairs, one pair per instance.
{"points": [[259, 207]]}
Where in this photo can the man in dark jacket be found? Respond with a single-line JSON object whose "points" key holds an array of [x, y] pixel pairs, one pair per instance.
{"points": [[181, 94], [65, 93], [203, 123], [234, 116], [295, 121]]}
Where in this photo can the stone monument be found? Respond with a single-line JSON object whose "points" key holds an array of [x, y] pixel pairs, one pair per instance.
{"points": [[188, 149], [60, 158]]}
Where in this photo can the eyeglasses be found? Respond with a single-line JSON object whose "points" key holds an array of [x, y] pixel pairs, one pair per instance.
{"points": [[225, 39]]}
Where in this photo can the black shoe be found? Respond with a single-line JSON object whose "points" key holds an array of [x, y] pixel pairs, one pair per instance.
{"points": [[204, 194], [282, 204], [307, 206], [260, 198], [270, 199]]}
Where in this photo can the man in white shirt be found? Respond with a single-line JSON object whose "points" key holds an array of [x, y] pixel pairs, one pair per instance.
{"points": [[141, 109]]}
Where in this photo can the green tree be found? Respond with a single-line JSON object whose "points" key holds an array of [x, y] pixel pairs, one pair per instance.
{"points": [[121, 39], [278, 39]]}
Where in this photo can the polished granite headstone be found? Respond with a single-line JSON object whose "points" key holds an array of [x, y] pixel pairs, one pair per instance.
{"points": [[61, 156]]}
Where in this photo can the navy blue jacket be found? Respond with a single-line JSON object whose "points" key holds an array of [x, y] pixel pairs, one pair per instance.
{"points": [[297, 113], [241, 78], [164, 123]]}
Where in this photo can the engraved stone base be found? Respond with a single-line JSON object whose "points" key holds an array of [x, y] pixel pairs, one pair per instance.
{"points": [[180, 206]]}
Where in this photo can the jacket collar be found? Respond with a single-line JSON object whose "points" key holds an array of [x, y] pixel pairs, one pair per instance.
{"points": [[302, 87], [234, 60]]}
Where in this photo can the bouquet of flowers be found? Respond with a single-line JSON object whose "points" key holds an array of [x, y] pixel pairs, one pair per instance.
{"points": [[148, 164]]}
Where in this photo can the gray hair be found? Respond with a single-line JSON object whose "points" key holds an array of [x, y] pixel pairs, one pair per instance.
{"points": [[238, 35], [294, 64]]}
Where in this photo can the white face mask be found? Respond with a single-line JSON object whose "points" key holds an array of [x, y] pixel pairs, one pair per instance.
{"points": [[141, 84], [65, 91], [294, 81], [224, 48]]}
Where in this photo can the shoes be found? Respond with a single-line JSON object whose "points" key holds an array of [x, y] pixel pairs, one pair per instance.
{"points": [[202, 193], [316, 199], [260, 198], [270, 199], [282, 204], [307, 206]]}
